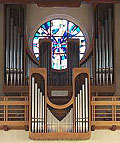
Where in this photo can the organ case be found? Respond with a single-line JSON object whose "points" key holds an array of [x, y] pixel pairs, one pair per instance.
{"points": [[70, 120]]}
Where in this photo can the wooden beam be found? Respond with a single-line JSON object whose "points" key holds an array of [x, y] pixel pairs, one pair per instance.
{"points": [[102, 1], [60, 3]]}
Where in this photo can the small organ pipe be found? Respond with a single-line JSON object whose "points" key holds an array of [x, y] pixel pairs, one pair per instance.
{"points": [[36, 91], [76, 113], [87, 100], [33, 83], [38, 109], [43, 111]]}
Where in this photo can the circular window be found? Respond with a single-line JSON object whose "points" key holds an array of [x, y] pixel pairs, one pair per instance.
{"points": [[59, 30]]}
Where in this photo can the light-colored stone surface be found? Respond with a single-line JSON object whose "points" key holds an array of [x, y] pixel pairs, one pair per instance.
{"points": [[99, 136]]}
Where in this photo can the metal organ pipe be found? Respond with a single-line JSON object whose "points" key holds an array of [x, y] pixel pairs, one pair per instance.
{"points": [[103, 55], [32, 99], [7, 45], [82, 108], [104, 47], [54, 125], [11, 51], [110, 45], [21, 59], [18, 59], [37, 103], [14, 42], [87, 104], [15, 50]]}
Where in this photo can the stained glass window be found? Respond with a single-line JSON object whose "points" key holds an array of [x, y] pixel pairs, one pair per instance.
{"points": [[59, 30]]}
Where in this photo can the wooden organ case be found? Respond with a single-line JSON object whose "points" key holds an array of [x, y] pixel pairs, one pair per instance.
{"points": [[59, 100]]}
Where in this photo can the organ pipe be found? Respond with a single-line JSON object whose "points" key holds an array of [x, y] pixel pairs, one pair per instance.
{"points": [[38, 107], [54, 125], [104, 46], [110, 45], [82, 107], [14, 45], [7, 44]]}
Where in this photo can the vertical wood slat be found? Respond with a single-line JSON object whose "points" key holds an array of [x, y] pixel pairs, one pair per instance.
{"points": [[4, 110], [111, 114], [7, 111], [94, 110]]}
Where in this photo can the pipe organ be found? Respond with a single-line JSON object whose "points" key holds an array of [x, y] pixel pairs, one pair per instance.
{"points": [[59, 100], [37, 103], [89, 64], [104, 54], [82, 103], [18, 59], [49, 118], [14, 45]]}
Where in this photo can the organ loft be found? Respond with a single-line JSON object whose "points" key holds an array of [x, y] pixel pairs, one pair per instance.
{"points": [[59, 77]]}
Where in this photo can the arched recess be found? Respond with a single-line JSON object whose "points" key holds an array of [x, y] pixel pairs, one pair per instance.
{"points": [[69, 18]]}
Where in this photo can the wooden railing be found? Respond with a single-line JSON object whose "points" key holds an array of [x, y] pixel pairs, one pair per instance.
{"points": [[105, 111], [14, 111]]}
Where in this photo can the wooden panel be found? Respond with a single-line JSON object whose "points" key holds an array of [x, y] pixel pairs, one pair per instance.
{"points": [[59, 136], [103, 88], [15, 89], [49, 3]]}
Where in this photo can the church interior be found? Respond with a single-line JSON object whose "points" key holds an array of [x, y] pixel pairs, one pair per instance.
{"points": [[59, 70]]}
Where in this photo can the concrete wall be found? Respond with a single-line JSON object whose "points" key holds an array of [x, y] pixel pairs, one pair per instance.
{"points": [[81, 16], [117, 48], [1, 48]]}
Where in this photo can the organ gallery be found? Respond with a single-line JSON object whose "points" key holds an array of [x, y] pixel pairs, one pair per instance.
{"points": [[59, 72]]}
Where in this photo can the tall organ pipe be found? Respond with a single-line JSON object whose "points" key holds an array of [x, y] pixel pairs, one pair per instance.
{"points": [[15, 50], [21, 59], [32, 100], [103, 55], [110, 45], [11, 51], [18, 59], [7, 44]]}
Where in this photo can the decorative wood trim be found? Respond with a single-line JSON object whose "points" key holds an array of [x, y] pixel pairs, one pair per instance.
{"points": [[48, 3], [15, 89], [88, 52], [103, 88], [59, 106], [59, 136], [27, 48]]}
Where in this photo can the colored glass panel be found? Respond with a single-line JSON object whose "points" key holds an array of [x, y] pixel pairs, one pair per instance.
{"points": [[59, 30]]}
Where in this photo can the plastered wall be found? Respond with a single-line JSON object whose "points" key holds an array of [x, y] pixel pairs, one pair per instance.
{"points": [[82, 16], [1, 48], [117, 48]]}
